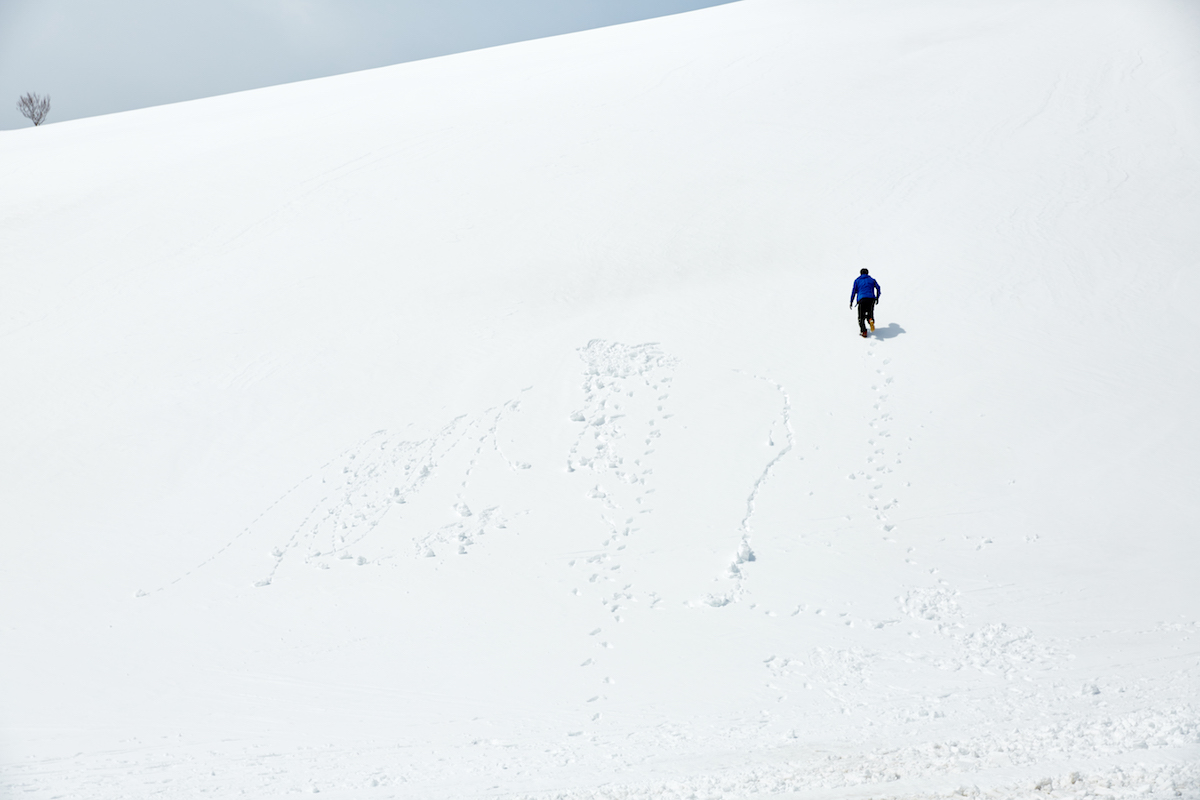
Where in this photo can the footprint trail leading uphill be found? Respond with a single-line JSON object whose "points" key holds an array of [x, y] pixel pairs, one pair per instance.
{"points": [[625, 389], [625, 392], [332, 516]]}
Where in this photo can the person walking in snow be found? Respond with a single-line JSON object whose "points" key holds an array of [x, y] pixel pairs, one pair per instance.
{"points": [[867, 290]]}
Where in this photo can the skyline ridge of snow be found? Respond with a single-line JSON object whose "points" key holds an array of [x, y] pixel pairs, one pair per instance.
{"points": [[133, 54]]}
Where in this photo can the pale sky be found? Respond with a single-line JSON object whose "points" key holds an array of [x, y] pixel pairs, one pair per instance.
{"points": [[100, 56]]}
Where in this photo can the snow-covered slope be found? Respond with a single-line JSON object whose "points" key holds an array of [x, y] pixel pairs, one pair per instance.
{"points": [[496, 425]]}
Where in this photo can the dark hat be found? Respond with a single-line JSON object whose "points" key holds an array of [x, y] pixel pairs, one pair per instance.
{"points": [[862, 271]]}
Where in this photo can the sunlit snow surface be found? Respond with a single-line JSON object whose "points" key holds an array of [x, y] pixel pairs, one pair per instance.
{"points": [[496, 425]]}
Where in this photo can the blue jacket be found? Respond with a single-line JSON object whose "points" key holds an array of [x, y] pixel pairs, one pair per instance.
{"points": [[864, 287]]}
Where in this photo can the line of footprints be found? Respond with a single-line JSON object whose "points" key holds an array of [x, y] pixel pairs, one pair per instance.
{"points": [[881, 464], [625, 390]]}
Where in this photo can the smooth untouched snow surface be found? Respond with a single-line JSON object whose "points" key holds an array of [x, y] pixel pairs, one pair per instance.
{"points": [[496, 426]]}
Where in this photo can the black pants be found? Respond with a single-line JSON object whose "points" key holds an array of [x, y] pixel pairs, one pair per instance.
{"points": [[866, 313]]}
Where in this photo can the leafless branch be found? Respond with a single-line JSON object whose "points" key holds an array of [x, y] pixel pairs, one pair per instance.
{"points": [[34, 107]]}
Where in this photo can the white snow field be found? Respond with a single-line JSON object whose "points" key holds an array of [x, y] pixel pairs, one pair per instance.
{"points": [[496, 425]]}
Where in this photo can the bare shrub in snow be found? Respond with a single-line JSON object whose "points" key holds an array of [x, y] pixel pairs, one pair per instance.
{"points": [[34, 107]]}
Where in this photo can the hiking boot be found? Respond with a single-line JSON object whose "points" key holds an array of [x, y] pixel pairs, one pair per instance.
{"points": [[872, 326]]}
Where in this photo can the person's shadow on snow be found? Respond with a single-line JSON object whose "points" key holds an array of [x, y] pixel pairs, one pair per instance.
{"points": [[890, 332]]}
